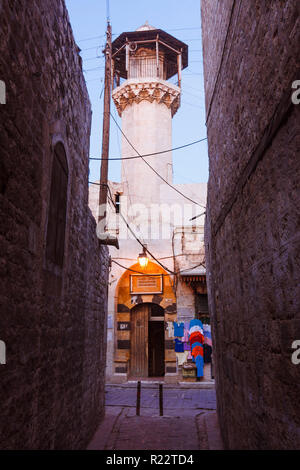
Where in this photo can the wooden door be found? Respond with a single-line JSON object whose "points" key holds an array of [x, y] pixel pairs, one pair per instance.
{"points": [[139, 341]]}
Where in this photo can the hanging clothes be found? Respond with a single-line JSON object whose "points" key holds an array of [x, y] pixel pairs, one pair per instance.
{"points": [[178, 329], [195, 345], [207, 334], [196, 328], [196, 322], [199, 365], [207, 352], [197, 351], [186, 335], [179, 346], [170, 329], [182, 357], [196, 336]]}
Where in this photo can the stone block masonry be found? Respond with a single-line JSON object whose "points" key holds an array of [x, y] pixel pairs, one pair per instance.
{"points": [[251, 59], [52, 314]]}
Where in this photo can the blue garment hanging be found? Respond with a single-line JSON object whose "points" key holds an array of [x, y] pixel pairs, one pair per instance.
{"points": [[178, 329], [199, 364], [196, 344], [179, 345], [196, 322]]}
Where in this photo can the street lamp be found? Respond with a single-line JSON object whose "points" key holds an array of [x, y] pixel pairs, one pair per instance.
{"points": [[143, 259]]}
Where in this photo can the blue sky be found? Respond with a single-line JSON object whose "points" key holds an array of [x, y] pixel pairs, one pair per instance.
{"points": [[182, 20]]}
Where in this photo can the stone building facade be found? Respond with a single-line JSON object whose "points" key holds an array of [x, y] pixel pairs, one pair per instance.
{"points": [[251, 59], [159, 215], [53, 274]]}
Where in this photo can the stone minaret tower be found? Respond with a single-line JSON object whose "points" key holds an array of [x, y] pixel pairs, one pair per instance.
{"points": [[143, 61]]}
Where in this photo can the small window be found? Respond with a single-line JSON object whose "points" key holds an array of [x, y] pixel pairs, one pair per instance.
{"points": [[202, 303], [55, 245], [118, 203]]}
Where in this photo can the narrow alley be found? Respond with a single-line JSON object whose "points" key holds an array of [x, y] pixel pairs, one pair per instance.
{"points": [[149, 227], [189, 420]]}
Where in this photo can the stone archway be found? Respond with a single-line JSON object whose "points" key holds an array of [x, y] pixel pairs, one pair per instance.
{"points": [[125, 303]]}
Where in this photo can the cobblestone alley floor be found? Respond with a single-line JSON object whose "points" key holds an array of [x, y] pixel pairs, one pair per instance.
{"points": [[189, 421]]}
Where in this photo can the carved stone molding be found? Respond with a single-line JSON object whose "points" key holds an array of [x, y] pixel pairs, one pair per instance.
{"points": [[150, 90]]}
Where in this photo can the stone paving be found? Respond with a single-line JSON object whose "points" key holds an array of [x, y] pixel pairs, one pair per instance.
{"points": [[189, 421]]}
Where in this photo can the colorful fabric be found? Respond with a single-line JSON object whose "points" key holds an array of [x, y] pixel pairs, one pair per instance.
{"points": [[178, 329], [199, 365], [179, 346], [196, 328], [186, 346], [186, 335], [207, 334], [197, 336], [198, 350], [196, 322], [182, 357], [195, 345]]}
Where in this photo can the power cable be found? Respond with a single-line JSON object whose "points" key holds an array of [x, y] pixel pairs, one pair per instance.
{"points": [[130, 229], [176, 273], [155, 153], [139, 241], [90, 39], [94, 69], [156, 172]]}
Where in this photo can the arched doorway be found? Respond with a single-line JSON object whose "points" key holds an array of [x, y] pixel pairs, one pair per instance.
{"points": [[147, 351], [146, 324]]}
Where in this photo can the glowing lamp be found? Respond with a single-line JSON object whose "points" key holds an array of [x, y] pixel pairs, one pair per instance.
{"points": [[143, 259]]}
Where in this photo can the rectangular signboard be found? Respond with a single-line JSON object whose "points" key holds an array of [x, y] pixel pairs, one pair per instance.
{"points": [[146, 284]]}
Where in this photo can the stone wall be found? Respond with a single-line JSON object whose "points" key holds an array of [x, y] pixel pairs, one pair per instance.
{"points": [[52, 320], [252, 226]]}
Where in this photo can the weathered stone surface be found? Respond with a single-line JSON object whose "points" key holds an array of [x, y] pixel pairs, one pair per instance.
{"points": [[251, 52], [53, 323]]}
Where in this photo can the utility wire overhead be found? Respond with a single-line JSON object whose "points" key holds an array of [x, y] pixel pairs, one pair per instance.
{"points": [[139, 272], [117, 34], [131, 230], [156, 172], [155, 153]]}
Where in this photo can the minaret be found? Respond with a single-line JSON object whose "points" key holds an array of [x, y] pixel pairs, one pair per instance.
{"points": [[147, 58]]}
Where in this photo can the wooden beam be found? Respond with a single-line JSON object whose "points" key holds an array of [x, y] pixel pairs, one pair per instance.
{"points": [[119, 50], [179, 67], [157, 56], [127, 56], [169, 47]]}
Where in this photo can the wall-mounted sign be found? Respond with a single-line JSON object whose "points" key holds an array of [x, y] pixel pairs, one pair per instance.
{"points": [[124, 326], [146, 284]]}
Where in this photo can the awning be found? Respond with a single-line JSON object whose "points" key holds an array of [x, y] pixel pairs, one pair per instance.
{"points": [[194, 275]]}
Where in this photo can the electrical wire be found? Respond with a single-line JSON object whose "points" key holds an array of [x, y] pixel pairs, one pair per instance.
{"points": [[139, 241], [94, 69], [130, 229], [156, 172], [149, 274], [155, 153], [90, 39]]}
